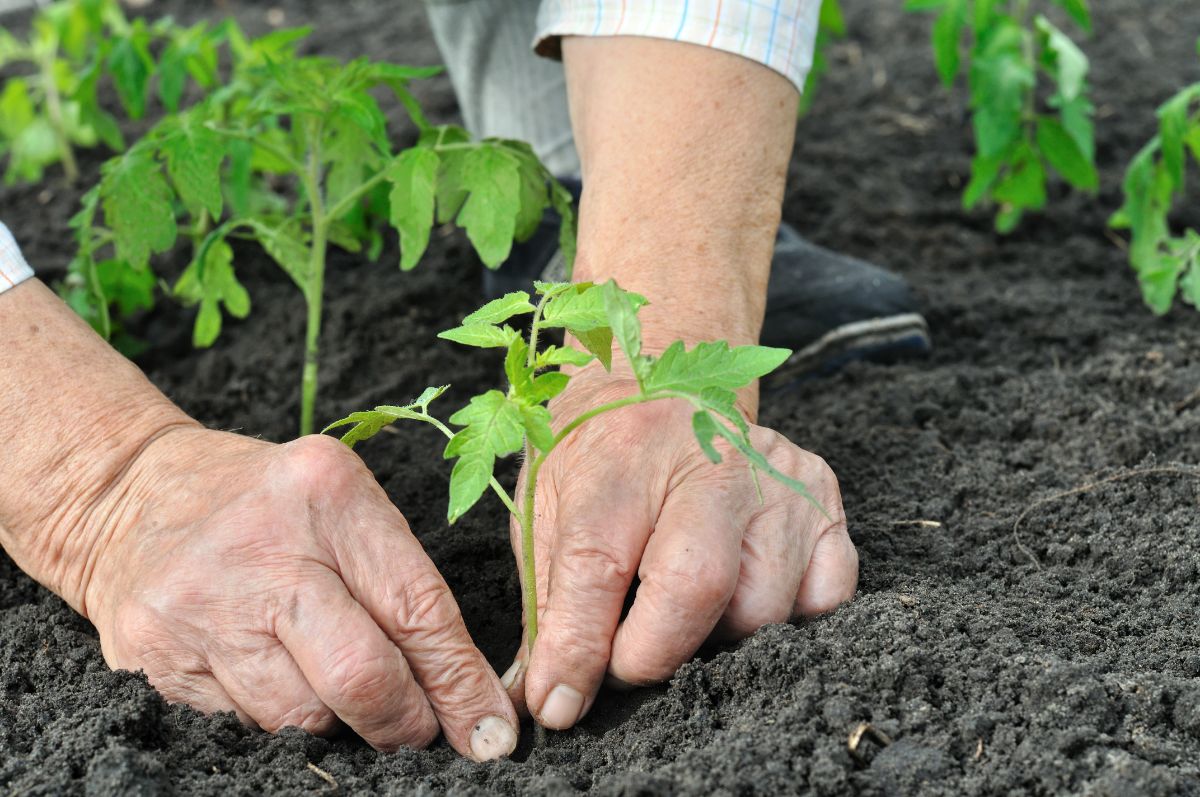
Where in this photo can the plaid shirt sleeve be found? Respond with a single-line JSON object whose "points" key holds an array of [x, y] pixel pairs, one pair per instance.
{"points": [[777, 33], [13, 268]]}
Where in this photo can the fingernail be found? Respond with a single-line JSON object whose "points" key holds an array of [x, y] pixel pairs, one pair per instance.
{"points": [[492, 738], [510, 675], [562, 708]]}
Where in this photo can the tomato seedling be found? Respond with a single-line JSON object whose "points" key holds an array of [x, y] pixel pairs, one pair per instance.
{"points": [[51, 107], [1017, 140], [500, 423], [1157, 176], [295, 154]]}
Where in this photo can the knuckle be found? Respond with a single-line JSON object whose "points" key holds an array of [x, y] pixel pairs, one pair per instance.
{"points": [[315, 719], [595, 564], [699, 580], [425, 607], [320, 462], [356, 678]]}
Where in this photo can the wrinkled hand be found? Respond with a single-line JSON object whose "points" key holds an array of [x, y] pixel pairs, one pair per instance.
{"points": [[630, 493], [279, 582]]}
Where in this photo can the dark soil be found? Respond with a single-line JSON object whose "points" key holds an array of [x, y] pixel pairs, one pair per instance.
{"points": [[1068, 665]]}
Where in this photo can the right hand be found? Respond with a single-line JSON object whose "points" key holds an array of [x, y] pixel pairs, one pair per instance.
{"points": [[279, 582]]}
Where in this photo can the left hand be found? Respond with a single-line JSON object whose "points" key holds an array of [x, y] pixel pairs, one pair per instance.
{"points": [[631, 493]]}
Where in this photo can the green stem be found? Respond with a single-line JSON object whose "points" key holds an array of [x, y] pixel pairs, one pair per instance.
{"points": [[316, 280], [54, 111], [505, 498], [526, 517]]}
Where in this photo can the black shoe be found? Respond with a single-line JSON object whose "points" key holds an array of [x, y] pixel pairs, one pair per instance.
{"points": [[829, 308]]}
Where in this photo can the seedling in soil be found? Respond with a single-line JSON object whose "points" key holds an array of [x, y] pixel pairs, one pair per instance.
{"points": [[50, 107], [295, 154], [1017, 140], [1157, 176], [500, 423]]}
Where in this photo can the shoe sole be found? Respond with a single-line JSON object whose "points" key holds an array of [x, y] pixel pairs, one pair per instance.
{"points": [[876, 339]]}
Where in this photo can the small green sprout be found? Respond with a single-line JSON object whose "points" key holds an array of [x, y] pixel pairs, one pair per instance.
{"points": [[497, 424]]}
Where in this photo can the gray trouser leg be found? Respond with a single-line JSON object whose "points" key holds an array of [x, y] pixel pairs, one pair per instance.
{"points": [[503, 88]]}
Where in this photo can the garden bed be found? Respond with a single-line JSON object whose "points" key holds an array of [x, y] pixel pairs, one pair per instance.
{"points": [[1054, 656]]}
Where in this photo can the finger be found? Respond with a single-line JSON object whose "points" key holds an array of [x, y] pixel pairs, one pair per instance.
{"points": [[201, 691], [793, 549], [394, 580], [264, 680], [688, 574], [354, 668], [601, 529]]}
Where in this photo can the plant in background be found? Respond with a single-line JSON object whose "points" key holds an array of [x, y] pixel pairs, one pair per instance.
{"points": [[1017, 138], [499, 423], [312, 128], [830, 25], [72, 46], [1165, 263]]}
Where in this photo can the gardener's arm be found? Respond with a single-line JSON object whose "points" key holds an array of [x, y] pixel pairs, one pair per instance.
{"points": [[685, 152], [276, 581]]}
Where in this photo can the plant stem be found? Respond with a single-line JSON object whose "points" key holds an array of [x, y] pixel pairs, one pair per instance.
{"points": [[54, 110], [316, 279]]}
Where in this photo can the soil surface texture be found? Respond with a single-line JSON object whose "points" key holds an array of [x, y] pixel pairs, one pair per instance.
{"points": [[1025, 624]]}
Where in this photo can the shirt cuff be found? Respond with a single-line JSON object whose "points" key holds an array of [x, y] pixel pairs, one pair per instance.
{"points": [[13, 268], [779, 34]]}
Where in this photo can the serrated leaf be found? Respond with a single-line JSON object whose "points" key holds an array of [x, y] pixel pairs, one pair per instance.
{"points": [[947, 35], [485, 336], [129, 64], [1061, 151], [130, 289], [213, 283], [626, 329], [288, 251], [537, 426], [1174, 126], [564, 355], [578, 308], [705, 428], [546, 386], [368, 424], [493, 427], [137, 207], [413, 176], [599, 342], [517, 368], [1067, 61], [489, 214], [500, 310], [712, 365], [757, 460], [193, 155]]}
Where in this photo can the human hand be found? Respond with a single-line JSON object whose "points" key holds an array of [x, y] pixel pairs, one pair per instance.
{"points": [[630, 493], [279, 582]]}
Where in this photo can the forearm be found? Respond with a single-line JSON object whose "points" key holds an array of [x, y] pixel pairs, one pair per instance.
{"points": [[684, 152], [74, 416]]}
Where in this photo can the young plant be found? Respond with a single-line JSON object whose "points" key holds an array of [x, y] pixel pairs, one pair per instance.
{"points": [[1157, 176], [52, 106], [1017, 140], [500, 423], [312, 127]]}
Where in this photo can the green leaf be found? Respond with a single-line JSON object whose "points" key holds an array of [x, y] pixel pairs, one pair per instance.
{"points": [[537, 426], [1063, 153], [984, 172], [712, 365], [565, 355], [599, 342], [137, 207], [493, 427], [489, 215], [517, 368], [548, 385], [130, 289], [1174, 126], [622, 319], [705, 428], [947, 34], [194, 154], [1066, 60], [564, 206], [485, 336], [413, 176], [500, 310], [578, 308], [1078, 11], [368, 424], [129, 63], [287, 249], [213, 283]]}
